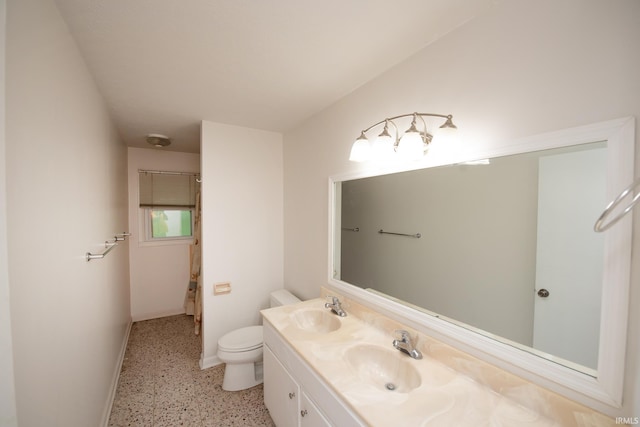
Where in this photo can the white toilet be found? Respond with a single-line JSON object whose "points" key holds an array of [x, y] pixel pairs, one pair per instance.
{"points": [[241, 350]]}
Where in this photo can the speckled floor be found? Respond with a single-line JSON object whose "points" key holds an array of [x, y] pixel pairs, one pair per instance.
{"points": [[161, 384]]}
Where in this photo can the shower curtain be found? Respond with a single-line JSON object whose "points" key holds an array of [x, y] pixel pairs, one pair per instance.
{"points": [[193, 299]]}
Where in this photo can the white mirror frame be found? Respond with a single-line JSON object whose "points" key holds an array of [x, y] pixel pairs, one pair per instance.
{"points": [[602, 392]]}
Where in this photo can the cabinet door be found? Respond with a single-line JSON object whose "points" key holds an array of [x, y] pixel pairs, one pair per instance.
{"points": [[310, 415], [281, 392]]}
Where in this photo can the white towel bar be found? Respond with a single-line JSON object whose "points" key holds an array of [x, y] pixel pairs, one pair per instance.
{"points": [[600, 225], [108, 245]]}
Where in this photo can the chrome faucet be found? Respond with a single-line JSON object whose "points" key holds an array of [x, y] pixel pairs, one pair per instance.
{"points": [[335, 306], [404, 344]]}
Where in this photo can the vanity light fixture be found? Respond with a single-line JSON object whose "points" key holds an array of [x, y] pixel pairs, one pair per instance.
{"points": [[412, 145]]}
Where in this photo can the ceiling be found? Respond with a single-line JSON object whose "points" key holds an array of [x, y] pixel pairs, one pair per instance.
{"points": [[163, 66]]}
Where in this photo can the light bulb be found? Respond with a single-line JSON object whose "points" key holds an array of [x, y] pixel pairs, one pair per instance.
{"points": [[445, 135], [361, 149], [383, 148], [445, 144], [411, 146]]}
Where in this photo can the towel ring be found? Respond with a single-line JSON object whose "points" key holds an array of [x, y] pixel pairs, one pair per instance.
{"points": [[600, 226]]}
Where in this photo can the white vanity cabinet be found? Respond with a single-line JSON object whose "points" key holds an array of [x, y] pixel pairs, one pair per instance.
{"points": [[287, 404], [294, 394], [281, 391]]}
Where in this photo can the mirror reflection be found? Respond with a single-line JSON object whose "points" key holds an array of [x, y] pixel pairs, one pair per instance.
{"points": [[506, 246]]}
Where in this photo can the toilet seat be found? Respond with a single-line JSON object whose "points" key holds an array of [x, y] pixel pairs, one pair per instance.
{"points": [[241, 340]]}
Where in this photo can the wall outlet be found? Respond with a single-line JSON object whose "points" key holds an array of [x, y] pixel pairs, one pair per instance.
{"points": [[221, 288]]}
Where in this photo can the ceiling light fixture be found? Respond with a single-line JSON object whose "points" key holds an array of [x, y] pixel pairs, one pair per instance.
{"points": [[412, 145], [158, 140]]}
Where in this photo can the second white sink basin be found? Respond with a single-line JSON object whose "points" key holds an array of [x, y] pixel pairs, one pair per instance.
{"points": [[316, 320], [384, 369]]}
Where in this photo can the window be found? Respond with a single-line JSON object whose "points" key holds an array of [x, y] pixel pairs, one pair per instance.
{"points": [[170, 223], [167, 203]]}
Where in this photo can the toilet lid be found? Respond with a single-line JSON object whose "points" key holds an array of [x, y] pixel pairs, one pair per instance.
{"points": [[243, 339]]}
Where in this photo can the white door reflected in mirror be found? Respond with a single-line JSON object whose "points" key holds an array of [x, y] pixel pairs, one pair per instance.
{"points": [[571, 192]]}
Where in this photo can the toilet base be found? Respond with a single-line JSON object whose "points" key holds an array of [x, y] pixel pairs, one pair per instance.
{"points": [[240, 376]]}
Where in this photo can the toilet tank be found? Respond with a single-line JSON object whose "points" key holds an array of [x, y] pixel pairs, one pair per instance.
{"points": [[282, 297]]}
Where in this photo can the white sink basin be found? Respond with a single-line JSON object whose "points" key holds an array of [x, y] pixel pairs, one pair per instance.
{"points": [[316, 320], [384, 369]]}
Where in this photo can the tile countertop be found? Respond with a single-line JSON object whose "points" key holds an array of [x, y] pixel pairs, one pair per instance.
{"points": [[455, 388]]}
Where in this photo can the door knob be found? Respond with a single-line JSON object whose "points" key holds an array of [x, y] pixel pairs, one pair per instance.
{"points": [[543, 293]]}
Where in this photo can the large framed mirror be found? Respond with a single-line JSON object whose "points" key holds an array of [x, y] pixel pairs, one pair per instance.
{"points": [[497, 252]]}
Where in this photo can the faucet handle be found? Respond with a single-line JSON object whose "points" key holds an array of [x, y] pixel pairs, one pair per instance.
{"points": [[403, 335], [334, 300], [335, 306], [405, 345]]}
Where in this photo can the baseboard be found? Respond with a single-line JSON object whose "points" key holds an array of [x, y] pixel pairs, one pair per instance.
{"points": [[209, 362], [116, 377], [157, 314]]}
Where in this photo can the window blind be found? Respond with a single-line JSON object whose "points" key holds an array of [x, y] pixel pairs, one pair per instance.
{"points": [[167, 189]]}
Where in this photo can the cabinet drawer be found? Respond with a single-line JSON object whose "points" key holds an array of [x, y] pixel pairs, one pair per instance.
{"points": [[310, 415]]}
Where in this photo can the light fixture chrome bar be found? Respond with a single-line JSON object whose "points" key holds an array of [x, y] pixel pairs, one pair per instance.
{"points": [[108, 245], [449, 117], [417, 235]]}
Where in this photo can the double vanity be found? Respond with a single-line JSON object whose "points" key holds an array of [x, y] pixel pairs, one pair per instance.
{"points": [[365, 369]]}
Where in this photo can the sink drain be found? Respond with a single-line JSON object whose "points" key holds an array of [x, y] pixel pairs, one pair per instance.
{"points": [[390, 386]]}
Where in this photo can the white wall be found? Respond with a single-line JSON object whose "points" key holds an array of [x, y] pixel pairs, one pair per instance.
{"points": [[159, 272], [521, 69], [242, 227], [66, 194]]}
